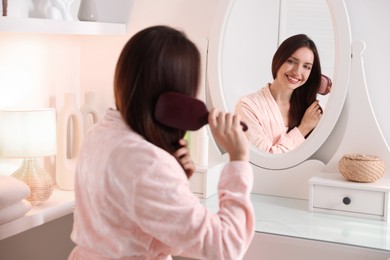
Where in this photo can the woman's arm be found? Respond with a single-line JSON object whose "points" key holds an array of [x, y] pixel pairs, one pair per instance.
{"points": [[181, 225]]}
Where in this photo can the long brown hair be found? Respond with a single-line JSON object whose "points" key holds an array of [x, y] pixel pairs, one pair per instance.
{"points": [[155, 60], [306, 94]]}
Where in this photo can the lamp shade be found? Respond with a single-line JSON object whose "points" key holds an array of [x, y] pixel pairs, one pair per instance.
{"points": [[28, 133]]}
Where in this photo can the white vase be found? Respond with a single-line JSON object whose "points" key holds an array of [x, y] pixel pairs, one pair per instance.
{"points": [[18, 8], [89, 111], [70, 133], [58, 10], [200, 144], [87, 11]]}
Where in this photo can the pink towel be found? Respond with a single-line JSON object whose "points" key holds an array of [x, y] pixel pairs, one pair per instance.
{"points": [[12, 190], [14, 211]]}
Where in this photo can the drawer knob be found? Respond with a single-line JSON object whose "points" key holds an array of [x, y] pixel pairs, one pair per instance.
{"points": [[346, 201]]}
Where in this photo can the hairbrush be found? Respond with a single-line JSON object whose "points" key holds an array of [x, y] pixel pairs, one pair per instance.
{"points": [[325, 85], [182, 112]]}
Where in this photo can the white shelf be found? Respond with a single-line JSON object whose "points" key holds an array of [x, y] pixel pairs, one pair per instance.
{"points": [[36, 25], [60, 203]]}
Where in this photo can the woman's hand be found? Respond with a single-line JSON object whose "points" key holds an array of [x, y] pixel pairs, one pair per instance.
{"points": [[182, 155], [311, 118], [228, 133]]}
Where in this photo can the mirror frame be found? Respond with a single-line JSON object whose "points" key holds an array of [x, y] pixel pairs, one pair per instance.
{"points": [[335, 103]]}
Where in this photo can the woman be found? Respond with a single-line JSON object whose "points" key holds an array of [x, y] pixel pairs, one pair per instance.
{"points": [[283, 113], [133, 199]]}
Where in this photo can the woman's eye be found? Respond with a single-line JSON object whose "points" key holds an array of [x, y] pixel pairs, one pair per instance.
{"points": [[290, 61], [308, 67]]}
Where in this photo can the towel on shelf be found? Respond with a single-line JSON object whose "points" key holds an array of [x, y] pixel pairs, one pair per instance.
{"points": [[12, 190], [14, 211]]}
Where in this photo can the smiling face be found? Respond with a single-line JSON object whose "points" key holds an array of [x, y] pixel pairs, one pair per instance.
{"points": [[295, 71]]}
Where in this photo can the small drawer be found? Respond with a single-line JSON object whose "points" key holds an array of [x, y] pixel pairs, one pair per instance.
{"points": [[349, 200], [331, 193]]}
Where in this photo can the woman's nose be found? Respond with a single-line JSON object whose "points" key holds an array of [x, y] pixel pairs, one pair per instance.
{"points": [[296, 69]]}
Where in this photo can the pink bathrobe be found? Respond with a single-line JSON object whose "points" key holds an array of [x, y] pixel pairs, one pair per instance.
{"points": [[133, 201], [267, 130]]}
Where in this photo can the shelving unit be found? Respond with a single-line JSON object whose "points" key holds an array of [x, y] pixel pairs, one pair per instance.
{"points": [[112, 22], [36, 25]]}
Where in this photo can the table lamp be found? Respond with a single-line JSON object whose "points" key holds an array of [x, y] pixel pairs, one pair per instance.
{"points": [[30, 134]]}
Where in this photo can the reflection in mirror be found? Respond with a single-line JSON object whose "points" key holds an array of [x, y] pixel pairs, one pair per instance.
{"points": [[282, 114], [268, 128], [241, 51]]}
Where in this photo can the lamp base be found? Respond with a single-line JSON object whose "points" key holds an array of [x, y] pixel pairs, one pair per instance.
{"points": [[38, 180]]}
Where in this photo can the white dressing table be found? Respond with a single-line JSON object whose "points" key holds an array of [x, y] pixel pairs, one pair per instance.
{"points": [[286, 229]]}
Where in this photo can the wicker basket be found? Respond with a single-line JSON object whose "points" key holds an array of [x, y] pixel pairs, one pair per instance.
{"points": [[361, 168]]}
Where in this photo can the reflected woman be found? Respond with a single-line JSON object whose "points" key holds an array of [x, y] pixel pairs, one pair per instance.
{"points": [[283, 113]]}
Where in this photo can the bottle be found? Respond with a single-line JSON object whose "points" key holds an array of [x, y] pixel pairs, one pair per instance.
{"points": [[70, 133], [201, 153], [87, 11], [89, 111]]}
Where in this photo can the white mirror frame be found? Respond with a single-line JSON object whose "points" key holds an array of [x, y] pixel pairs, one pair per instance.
{"points": [[334, 106]]}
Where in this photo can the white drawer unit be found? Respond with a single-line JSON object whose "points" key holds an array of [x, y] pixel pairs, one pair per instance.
{"points": [[204, 181], [331, 193]]}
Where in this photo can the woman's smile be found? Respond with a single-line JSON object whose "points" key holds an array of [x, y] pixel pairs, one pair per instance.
{"points": [[293, 80]]}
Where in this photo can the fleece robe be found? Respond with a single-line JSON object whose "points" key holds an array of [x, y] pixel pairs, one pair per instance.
{"points": [[267, 130], [133, 201]]}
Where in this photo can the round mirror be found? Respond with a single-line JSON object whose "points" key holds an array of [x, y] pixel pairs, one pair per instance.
{"points": [[240, 54]]}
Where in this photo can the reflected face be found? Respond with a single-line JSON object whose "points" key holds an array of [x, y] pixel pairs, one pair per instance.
{"points": [[296, 69]]}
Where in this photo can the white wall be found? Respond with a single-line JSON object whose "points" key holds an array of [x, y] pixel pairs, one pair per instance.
{"points": [[99, 55], [34, 68]]}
